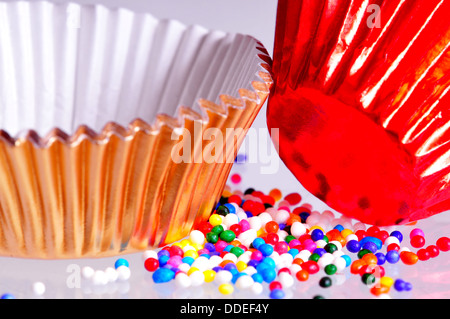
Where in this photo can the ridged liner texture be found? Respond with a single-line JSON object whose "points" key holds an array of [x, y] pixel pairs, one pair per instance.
{"points": [[385, 63], [101, 192]]}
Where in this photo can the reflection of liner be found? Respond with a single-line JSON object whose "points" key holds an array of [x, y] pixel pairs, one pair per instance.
{"points": [[106, 187]]}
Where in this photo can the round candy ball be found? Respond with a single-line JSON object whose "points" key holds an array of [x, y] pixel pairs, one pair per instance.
{"points": [[353, 246], [392, 256]]}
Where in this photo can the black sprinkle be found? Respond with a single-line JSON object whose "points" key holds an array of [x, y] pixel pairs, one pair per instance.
{"points": [[249, 191]]}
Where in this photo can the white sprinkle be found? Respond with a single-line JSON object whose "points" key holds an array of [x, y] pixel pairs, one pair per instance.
{"points": [[38, 288]]}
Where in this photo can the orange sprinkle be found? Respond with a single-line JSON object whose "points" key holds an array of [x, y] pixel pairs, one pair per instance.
{"points": [[356, 266], [275, 194], [298, 261], [379, 289], [293, 218], [370, 259], [225, 262]]}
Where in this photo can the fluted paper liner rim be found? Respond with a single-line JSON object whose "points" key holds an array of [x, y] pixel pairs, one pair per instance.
{"points": [[93, 194]]}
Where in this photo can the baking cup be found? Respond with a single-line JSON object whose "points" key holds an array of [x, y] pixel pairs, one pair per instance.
{"points": [[93, 103], [362, 103]]}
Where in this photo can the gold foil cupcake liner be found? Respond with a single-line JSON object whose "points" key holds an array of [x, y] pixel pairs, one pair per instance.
{"points": [[118, 190]]}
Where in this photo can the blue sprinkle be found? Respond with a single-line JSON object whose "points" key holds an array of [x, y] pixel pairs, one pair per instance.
{"points": [[317, 234], [277, 294], [319, 251], [304, 216], [188, 260], [229, 266], [397, 234], [392, 257], [348, 260], [381, 258], [240, 158], [163, 260], [353, 246], [228, 248], [293, 251], [210, 247], [371, 246], [217, 269], [339, 227], [408, 286], [233, 271], [253, 263], [257, 278], [269, 275], [262, 266], [266, 249], [121, 262], [374, 240], [162, 275], [237, 275], [258, 242], [163, 252], [231, 208], [399, 285], [8, 296]]}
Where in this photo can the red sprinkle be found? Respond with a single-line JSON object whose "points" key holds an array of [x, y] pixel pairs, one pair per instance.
{"points": [[151, 264], [310, 266], [423, 254], [293, 198], [433, 251], [417, 241], [443, 243]]}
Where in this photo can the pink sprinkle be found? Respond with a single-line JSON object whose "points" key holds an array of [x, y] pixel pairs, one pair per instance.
{"points": [[309, 244], [236, 178], [417, 232], [220, 245], [256, 255], [294, 242], [174, 261], [281, 247], [245, 225]]}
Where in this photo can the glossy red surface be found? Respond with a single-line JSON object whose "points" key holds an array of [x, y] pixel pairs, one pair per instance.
{"points": [[362, 103]]}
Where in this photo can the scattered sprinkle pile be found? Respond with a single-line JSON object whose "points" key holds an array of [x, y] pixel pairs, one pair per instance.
{"points": [[248, 242], [254, 239]]}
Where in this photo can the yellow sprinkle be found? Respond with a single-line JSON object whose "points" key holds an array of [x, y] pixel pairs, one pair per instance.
{"points": [[346, 232], [209, 275], [215, 219], [191, 253], [191, 270], [184, 243], [240, 265], [386, 281], [226, 289], [197, 246], [260, 232]]}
